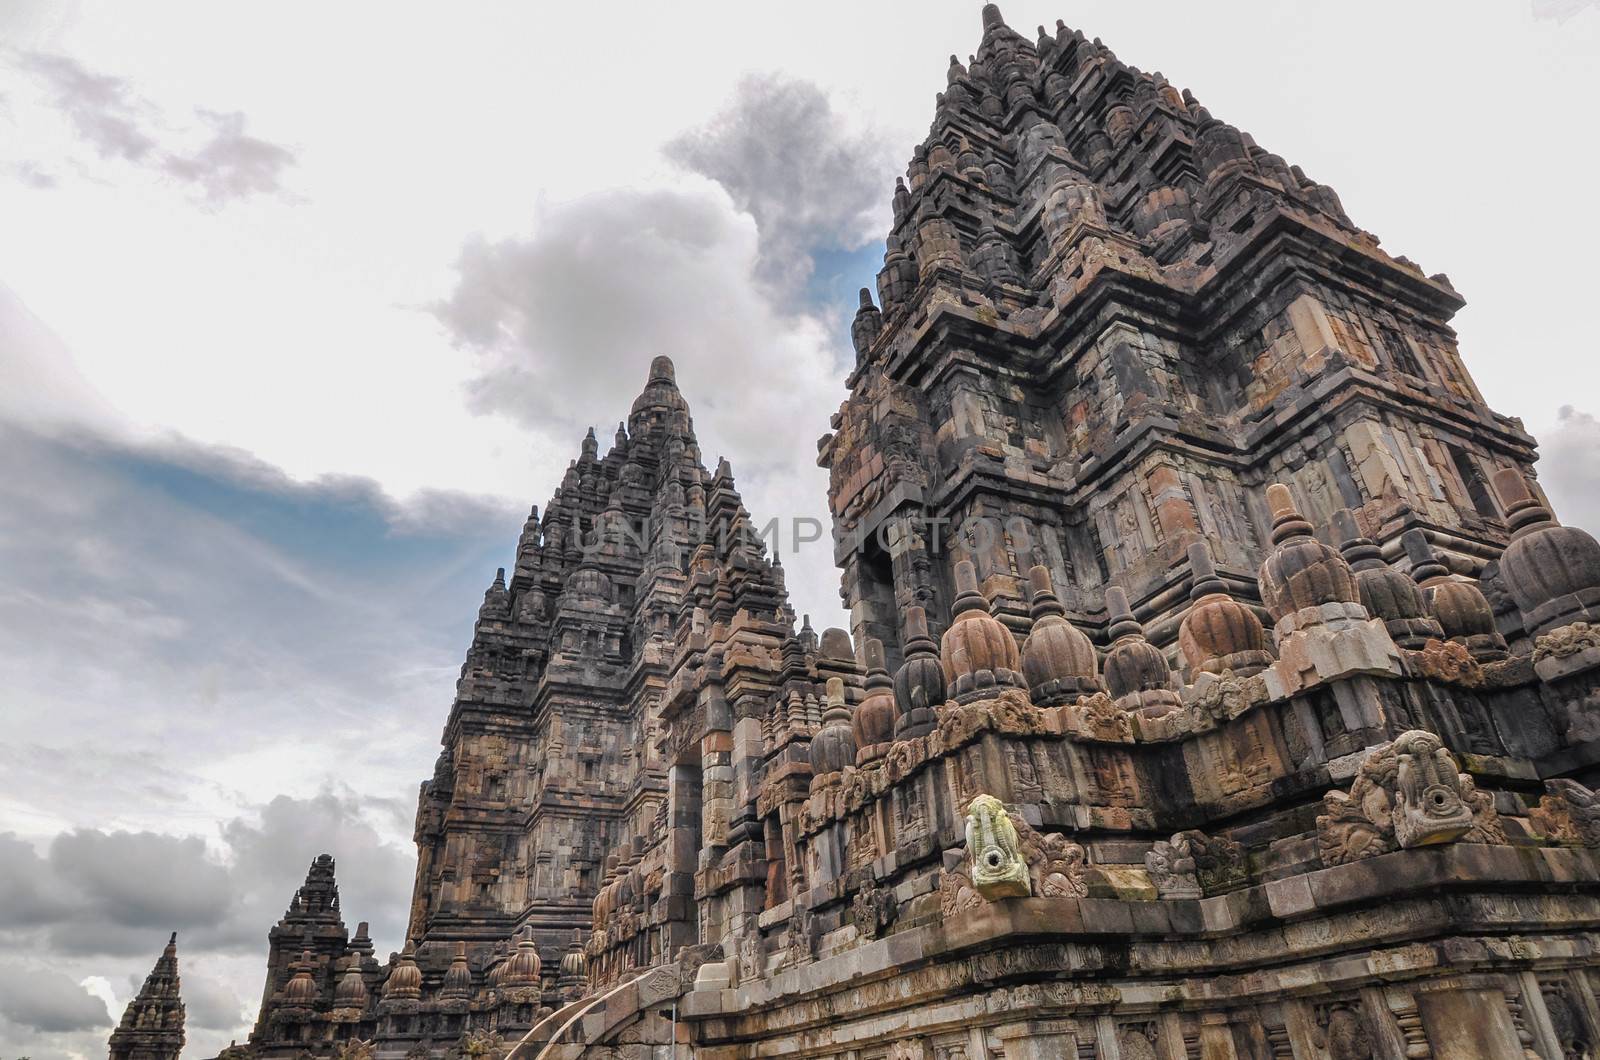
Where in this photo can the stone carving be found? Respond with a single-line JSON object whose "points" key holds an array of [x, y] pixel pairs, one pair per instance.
{"points": [[660, 984], [1059, 870], [1568, 813], [480, 1045], [1172, 868], [961, 723], [994, 854], [1572, 1031], [800, 937], [908, 1049], [1193, 864], [873, 909], [752, 957], [1138, 1041], [1566, 641], [1341, 1029], [691, 958], [1230, 695], [1007, 711], [1097, 716], [1486, 826], [1449, 660], [1408, 794], [956, 892], [1056, 865], [904, 757]]}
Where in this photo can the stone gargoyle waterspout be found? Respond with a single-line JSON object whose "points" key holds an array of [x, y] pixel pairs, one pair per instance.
{"points": [[998, 868]]}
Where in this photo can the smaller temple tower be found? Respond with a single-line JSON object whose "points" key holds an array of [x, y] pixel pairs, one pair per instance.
{"points": [[152, 1024], [310, 960]]}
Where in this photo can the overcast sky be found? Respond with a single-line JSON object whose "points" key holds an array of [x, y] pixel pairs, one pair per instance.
{"points": [[302, 305]]}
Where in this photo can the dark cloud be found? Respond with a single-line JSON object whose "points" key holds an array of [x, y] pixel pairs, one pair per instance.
{"points": [[209, 1003], [426, 513], [47, 1001], [786, 157], [100, 903], [220, 162], [110, 893], [125, 884], [99, 893], [273, 853], [1568, 469], [28, 895]]}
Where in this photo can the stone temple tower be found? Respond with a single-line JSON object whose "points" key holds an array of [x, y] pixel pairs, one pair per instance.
{"points": [[152, 1024], [1221, 687], [1107, 319], [599, 764], [551, 759]]}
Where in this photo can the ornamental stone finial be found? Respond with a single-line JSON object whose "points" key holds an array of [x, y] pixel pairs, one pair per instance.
{"points": [[978, 652], [1058, 660], [919, 686], [1219, 633], [1552, 571]]}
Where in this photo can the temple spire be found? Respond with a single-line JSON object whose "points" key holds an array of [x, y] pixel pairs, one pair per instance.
{"points": [[152, 1024]]}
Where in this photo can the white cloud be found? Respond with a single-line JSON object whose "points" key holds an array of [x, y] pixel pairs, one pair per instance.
{"points": [[1568, 469], [230, 164], [105, 111], [604, 283]]}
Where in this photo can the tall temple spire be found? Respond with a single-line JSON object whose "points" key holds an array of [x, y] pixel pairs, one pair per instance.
{"points": [[152, 1024], [1057, 191]]}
